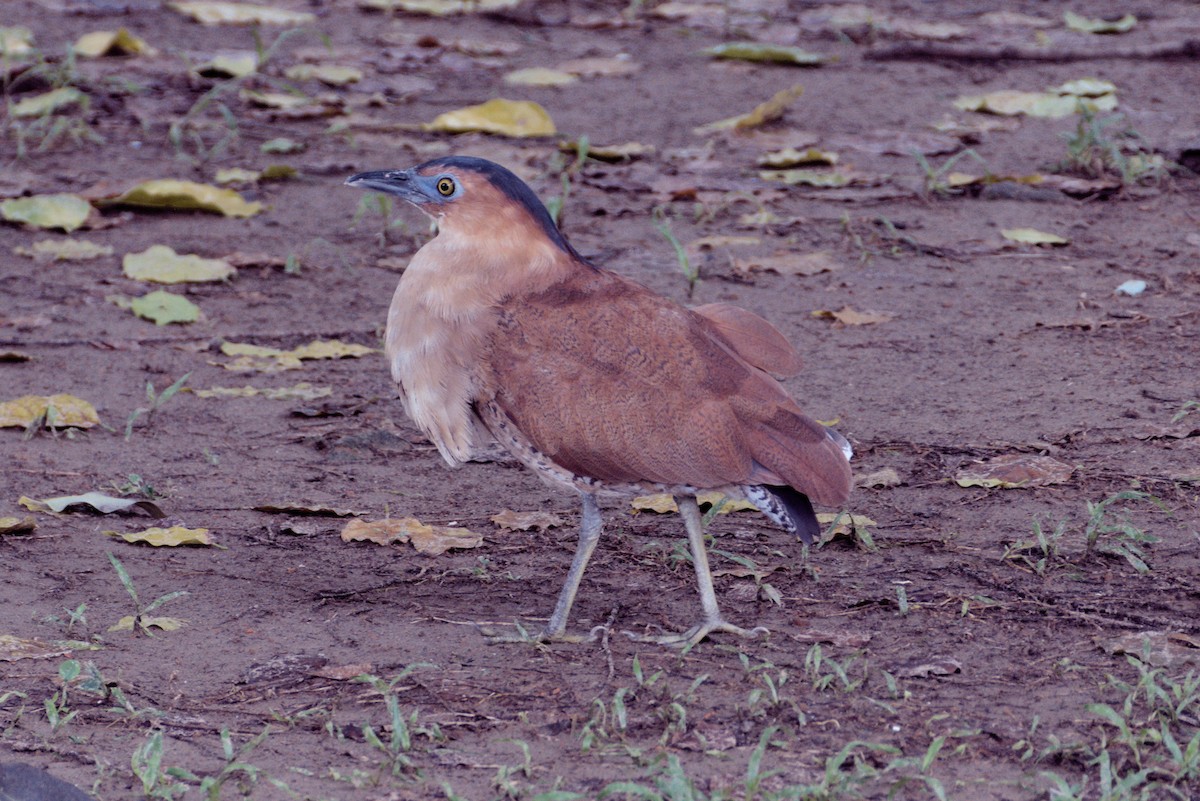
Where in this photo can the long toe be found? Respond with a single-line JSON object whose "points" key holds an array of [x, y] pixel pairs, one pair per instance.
{"points": [[698, 632]]}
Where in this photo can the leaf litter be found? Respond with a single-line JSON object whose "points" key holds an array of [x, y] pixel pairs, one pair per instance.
{"points": [[426, 539]]}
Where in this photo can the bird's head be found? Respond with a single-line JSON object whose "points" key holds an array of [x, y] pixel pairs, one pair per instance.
{"points": [[468, 196]]}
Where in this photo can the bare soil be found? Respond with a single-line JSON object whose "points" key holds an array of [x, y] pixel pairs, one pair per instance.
{"points": [[938, 629]]}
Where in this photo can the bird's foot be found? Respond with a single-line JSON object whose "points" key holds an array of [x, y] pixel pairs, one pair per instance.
{"points": [[538, 638], [698, 632]]}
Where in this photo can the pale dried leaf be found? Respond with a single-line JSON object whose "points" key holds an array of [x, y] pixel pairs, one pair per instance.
{"points": [[791, 157], [167, 193], [515, 118], [108, 43], [539, 76], [166, 537], [440, 8], [761, 114], [14, 648], [165, 623], [95, 501], [1032, 236], [343, 672], [15, 41], [664, 503], [1167, 649], [849, 316], [801, 264], [439, 539], [307, 509], [17, 525], [61, 411], [822, 179], [523, 521], [219, 12], [329, 74], [64, 211], [300, 391], [935, 666], [164, 308], [330, 349], [1013, 470], [1078, 22], [47, 103], [600, 66], [766, 52], [45, 250], [160, 264], [233, 64], [885, 477]]}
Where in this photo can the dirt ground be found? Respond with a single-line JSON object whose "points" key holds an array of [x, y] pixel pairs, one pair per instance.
{"points": [[943, 651]]}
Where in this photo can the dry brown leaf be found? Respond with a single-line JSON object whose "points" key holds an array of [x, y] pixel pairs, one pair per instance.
{"points": [[523, 521], [789, 264], [14, 648], [1169, 649], [935, 666], [761, 114], [597, 67], [343, 672], [887, 477], [848, 316], [429, 540], [17, 525], [307, 509], [1013, 470]]}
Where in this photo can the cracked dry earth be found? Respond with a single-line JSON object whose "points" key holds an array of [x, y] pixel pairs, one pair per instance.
{"points": [[942, 650]]}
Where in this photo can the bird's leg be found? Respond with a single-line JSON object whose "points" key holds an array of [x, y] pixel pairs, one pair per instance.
{"points": [[689, 510], [590, 526]]}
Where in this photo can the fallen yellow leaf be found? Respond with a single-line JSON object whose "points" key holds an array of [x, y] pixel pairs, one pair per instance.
{"points": [[162, 265], [516, 118], [166, 537], [59, 411], [107, 43], [218, 12], [167, 193], [64, 211]]}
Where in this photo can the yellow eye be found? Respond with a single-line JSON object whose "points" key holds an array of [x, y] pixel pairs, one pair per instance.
{"points": [[445, 187]]}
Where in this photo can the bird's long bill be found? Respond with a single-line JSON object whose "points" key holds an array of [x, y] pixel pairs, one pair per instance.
{"points": [[392, 182]]}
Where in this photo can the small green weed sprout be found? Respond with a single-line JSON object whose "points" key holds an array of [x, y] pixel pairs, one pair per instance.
{"points": [[141, 619], [937, 180], [1103, 146], [690, 272], [399, 745], [1108, 531], [156, 400]]}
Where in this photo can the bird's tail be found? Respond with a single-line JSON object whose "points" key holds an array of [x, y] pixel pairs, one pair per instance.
{"points": [[787, 508]]}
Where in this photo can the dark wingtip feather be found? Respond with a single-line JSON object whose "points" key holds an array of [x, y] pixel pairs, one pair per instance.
{"points": [[799, 511]]}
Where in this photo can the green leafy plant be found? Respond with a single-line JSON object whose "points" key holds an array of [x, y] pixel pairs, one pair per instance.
{"points": [[236, 766], [566, 172], [826, 673], [141, 616], [1108, 531], [399, 744], [53, 125], [690, 272], [156, 400], [937, 181], [190, 134], [1104, 146]]}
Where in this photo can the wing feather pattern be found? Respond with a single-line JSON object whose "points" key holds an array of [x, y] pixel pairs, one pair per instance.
{"points": [[613, 382]]}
